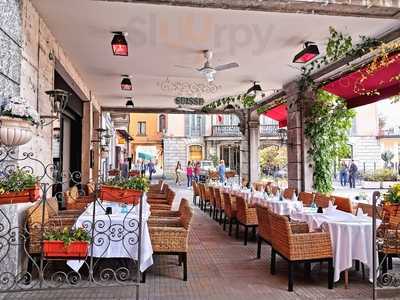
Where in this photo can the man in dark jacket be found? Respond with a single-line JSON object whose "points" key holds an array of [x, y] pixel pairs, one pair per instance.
{"points": [[353, 174]]}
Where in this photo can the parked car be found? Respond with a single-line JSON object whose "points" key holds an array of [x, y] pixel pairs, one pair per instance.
{"points": [[205, 167]]}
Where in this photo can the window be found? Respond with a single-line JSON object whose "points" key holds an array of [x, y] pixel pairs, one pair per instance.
{"points": [[162, 123], [195, 153], [141, 128]]}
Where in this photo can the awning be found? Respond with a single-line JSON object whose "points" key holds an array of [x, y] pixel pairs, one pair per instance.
{"points": [[360, 88], [278, 113], [123, 133]]}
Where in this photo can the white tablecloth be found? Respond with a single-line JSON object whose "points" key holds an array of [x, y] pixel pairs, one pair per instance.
{"points": [[116, 234], [351, 236], [284, 207]]}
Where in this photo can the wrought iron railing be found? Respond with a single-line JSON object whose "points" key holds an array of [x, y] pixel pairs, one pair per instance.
{"points": [[234, 131]]}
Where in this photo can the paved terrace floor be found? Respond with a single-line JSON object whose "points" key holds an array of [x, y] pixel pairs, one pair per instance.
{"points": [[220, 267]]}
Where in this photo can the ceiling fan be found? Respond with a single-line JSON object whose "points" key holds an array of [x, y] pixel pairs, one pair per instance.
{"points": [[209, 71]]}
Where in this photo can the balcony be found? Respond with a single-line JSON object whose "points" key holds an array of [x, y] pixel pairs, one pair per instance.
{"points": [[390, 133], [234, 131]]}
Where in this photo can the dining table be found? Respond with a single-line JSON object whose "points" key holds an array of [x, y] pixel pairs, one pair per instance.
{"points": [[351, 235], [114, 228]]}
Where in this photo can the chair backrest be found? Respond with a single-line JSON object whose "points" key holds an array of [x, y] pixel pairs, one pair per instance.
{"points": [[219, 202], [202, 190], [195, 188], [186, 216], [170, 196], [184, 203], [322, 200], [228, 208], [211, 195], [91, 187], [241, 208], [343, 204], [264, 226], [274, 189], [280, 233], [288, 193], [368, 209], [306, 198]]}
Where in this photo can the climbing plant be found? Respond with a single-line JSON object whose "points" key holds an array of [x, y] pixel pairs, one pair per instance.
{"points": [[327, 126], [238, 102]]}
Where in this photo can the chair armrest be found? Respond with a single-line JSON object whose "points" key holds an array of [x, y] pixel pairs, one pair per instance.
{"points": [[165, 213]]}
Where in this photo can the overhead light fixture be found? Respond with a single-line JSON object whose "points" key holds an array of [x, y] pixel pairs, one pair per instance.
{"points": [[119, 44], [309, 52], [126, 84], [254, 89], [129, 103], [229, 107]]}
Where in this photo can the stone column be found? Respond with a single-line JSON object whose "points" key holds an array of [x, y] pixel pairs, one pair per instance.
{"points": [[254, 130], [86, 137], [300, 174], [96, 146]]}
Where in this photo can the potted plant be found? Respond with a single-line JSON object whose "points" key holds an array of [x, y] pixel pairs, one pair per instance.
{"points": [[16, 121], [370, 181], [66, 243], [124, 190], [388, 178], [19, 186], [391, 201]]}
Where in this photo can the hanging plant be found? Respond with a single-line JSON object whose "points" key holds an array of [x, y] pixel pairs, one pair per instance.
{"points": [[327, 127]]}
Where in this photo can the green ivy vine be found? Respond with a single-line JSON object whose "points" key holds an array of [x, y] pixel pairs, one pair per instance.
{"points": [[238, 102], [327, 126]]}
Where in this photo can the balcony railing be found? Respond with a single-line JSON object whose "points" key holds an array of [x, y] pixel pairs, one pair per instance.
{"points": [[393, 132], [225, 130], [234, 131]]}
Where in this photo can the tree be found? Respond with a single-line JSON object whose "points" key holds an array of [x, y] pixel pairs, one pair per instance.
{"points": [[387, 157], [273, 157]]}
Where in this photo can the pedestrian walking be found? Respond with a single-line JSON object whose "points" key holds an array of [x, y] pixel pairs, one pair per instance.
{"points": [[221, 171], [353, 174], [344, 173], [178, 173], [142, 168], [189, 173], [151, 168]]}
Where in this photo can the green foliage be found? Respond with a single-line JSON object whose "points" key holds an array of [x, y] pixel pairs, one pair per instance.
{"points": [[387, 157], [67, 236], [338, 44], [16, 181], [393, 194], [139, 183], [273, 157], [215, 160], [381, 175], [239, 101], [327, 126]]}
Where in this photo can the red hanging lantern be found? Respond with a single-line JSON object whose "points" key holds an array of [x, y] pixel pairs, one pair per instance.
{"points": [[119, 44], [309, 52], [126, 84]]}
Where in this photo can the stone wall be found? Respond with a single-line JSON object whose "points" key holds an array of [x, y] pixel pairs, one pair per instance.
{"points": [[366, 152], [177, 149]]}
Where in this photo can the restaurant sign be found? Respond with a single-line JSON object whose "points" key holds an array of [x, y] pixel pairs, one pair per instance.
{"points": [[189, 101]]}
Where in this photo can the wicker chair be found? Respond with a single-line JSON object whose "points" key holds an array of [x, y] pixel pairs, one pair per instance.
{"points": [[163, 205], [211, 193], [264, 227], [156, 188], [230, 210], [389, 243], [343, 204], [204, 196], [196, 192], [246, 216], [170, 213], [322, 200], [173, 240], [162, 194], [274, 189], [288, 193], [158, 200], [219, 205], [368, 209], [306, 198], [299, 247], [75, 201]]}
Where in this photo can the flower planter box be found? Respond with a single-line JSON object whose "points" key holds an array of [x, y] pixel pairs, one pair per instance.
{"points": [[388, 184], [370, 184], [27, 195], [15, 131], [113, 173], [54, 249], [133, 173], [117, 194]]}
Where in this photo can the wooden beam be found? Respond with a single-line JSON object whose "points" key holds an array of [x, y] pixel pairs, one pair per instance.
{"points": [[353, 8]]}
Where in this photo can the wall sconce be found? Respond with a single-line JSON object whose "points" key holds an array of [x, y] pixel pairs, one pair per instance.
{"points": [[59, 100]]}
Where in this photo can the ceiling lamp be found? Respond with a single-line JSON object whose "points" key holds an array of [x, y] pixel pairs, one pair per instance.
{"points": [[254, 89], [229, 107], [119, 44], [126, 84], [129, 103], [309, 52]]}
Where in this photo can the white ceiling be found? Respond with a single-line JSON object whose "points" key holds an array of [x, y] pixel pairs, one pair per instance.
{"points": [[161, 37]]}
